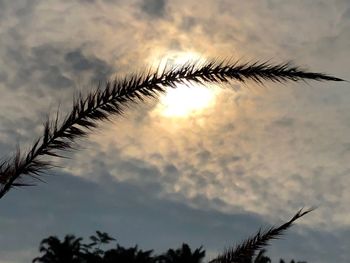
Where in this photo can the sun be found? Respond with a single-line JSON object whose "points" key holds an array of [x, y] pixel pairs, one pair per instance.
{"points": [[184, 100]]}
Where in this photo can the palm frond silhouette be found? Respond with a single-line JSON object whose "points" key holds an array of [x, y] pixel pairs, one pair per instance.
{"points": [[244, 252], [112, 100]]}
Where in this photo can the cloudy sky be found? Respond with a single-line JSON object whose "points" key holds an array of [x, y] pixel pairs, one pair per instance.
{"points": [[207, 173]]}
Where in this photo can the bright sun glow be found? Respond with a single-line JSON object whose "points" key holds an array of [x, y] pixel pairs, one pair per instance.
{"points": [[184, 101]]}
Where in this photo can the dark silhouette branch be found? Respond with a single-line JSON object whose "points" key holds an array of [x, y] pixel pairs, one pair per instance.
{"points": [[246, 250], [112, 100]]}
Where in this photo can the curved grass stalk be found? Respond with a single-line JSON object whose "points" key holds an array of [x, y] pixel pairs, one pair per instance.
{"points": [[244, 252], [101, 104]]}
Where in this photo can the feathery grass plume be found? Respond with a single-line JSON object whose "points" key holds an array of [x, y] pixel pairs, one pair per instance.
{"points": [[101, 104], [246, 250]]}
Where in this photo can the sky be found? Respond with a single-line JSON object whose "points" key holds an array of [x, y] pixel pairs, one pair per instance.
{"points": [[206, 167]]}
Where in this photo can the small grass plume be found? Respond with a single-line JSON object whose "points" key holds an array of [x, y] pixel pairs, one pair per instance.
{"points": [[99, 105], [245, 251]]}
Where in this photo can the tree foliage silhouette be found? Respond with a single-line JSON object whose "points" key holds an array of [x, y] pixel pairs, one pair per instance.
{"points": [[55, 251], [72, 250], [183, 254]]}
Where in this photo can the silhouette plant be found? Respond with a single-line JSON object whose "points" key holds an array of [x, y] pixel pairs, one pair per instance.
{"points": [[244, 252], [54, 250], [102, 103], [183, 254], [72, 250], [60, 135]]}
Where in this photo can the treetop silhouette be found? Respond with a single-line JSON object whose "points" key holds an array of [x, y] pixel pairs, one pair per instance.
{"points": [[73, 250]]}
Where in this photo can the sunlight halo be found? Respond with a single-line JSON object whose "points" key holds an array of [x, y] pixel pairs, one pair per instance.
{"points": [[184, 100]]}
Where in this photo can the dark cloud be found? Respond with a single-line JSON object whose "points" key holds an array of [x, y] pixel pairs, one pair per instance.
{"points": [[171, 169], [138, 171], [16, 131], [284, 122], [53, 77], [53, 67], [346, 14], [187, 23], [203, 156], [88, 1], [26, 8], [41, 73], [79, 62], [154, 8], [5, 148], [3, 77], [345, 148], [132, 166], [2, 9], [40, 67]]}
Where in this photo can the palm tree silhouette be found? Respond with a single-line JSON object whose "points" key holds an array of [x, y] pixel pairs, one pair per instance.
{"points": [[132, 255], [183, 255], [55, 251]]}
